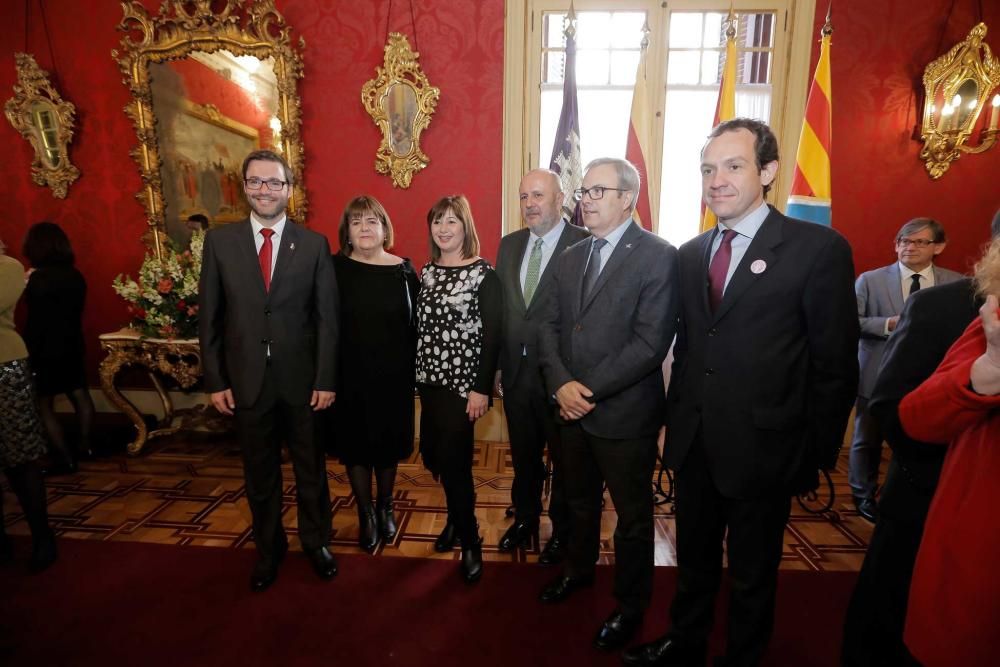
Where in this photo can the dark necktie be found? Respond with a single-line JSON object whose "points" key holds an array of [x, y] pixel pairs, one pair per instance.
{"points": [[914, 283], [265, 257], [718, 269], [593, 266]]}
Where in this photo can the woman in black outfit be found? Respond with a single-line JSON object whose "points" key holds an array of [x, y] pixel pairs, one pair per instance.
{"points": [[373, 413], [459, 312], [54, 334]]}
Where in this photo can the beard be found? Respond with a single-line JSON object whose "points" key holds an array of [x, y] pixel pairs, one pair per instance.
{"points": [[271, 209]]}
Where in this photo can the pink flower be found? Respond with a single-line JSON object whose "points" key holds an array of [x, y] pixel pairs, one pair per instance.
{"points": [[164, 286]]}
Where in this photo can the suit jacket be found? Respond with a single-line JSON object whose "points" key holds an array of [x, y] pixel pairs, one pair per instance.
{"points": [[520, 339], [238, 320], [880, 296], [613, 343], [931, 321], [770, 377]]}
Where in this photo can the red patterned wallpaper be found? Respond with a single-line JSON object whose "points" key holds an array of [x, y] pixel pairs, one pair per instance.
{"points": [[879, 51]]}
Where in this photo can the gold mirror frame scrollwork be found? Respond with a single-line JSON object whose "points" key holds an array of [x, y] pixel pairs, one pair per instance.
{"points": [[242, 27], [33, 88], [400, 67]]}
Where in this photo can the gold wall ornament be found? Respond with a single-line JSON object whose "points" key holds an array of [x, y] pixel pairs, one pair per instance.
{"points": [[956, 89], [46, 120], [400, 101], [195, 29]]}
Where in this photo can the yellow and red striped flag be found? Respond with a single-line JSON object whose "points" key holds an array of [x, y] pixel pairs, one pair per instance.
{"points": [[640, 132], [725, 108], [810, 197]]}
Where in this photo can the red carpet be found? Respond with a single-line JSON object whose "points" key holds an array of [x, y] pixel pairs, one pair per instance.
{"points": [[124, 603]]}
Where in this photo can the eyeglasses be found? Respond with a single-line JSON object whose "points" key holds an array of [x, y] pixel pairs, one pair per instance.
{"points": [[919, 243], [255, 183], [595, 192]]}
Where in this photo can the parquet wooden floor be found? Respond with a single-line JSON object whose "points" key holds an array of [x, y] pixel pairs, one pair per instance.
{"points": [[188, 489]]}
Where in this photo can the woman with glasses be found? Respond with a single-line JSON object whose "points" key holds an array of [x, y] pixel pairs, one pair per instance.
{"points": [[373, 414], [460, 311]]}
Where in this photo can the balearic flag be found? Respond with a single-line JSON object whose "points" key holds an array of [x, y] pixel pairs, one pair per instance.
{"points": [[640, 133], [566, 149], [725, 108], [810, 197]]}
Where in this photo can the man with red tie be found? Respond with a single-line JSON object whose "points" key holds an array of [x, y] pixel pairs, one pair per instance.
{"points": [[268, 331]]}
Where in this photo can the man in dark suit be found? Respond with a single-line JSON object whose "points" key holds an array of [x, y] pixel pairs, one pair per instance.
{"points": [[609, 320], [525, 265], [930, 322], [764, 375], [268, 330], [881, 294]]}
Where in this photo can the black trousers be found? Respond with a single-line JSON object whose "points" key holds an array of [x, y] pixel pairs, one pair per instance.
{"points": [[446, 442], [531, 423], [627, 467], [753, 530], [261, 429]]}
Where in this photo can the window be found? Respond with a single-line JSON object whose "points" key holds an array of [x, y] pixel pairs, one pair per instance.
{"points": [[684, 68]]}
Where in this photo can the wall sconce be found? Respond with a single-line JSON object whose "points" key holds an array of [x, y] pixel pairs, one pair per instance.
{"points": [[957, 87]]}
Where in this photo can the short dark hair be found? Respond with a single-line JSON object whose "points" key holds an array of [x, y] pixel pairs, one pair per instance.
{"points": [[269, 156], [357, 207], [458, 205], [920, 224], [765, 144], [200, 218], [46, 244]]}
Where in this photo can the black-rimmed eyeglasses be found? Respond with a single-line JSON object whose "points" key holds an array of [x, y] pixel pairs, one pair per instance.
{"points": [[595, 192], [274, 184]]}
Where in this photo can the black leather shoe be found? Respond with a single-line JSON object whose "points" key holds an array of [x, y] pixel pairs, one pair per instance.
{"points": [[387, 520], [447, 539], [867, 509], [562, 587], [322, 562], [43, 555], [518, 535], [367, 529], [472, 564], [666, 652], [616, 631], [554, 552]]}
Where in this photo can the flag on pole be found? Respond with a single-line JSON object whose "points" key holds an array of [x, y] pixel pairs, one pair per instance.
{"points": [[810, 197], [725, 108], [640, 132], [566, 149]]}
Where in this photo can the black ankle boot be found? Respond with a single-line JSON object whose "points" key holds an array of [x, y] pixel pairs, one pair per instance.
{"points": [[43, 554], [472, 563], [367, 529], [446, 540], [386, 519]]}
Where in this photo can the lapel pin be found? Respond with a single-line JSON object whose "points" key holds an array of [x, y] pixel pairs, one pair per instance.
{"points": [[291, 247], [758, 266], [628, 245]]}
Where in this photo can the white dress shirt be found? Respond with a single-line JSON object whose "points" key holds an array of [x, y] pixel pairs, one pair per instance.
{"points": [[258, 238], [745, 230], [549, 242]]}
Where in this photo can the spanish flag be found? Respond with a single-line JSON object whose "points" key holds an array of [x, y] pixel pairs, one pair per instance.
{"points": [[640, 132], [810, 196], [725, 108]]}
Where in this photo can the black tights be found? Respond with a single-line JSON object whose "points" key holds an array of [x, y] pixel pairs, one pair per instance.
{"points": [[26, 482], [361, 483], [83, 405]]}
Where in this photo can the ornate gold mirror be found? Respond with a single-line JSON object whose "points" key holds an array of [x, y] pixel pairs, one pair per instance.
{"points": [[211, 80], [400, 101], [46, 120]]}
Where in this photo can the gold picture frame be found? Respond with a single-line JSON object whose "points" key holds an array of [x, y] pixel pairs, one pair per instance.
{"points": [[183, 27], [47, 121], [401, 101]]}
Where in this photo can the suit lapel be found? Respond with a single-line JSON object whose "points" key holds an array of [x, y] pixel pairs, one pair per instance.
{"points": [[286, 253], [514, 275], [702, 276], [760, 249], [626, 244], [248, 246], [894, 286]]}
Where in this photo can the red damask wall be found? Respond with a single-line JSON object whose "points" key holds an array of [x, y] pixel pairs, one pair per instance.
{"points": [[880, 49]]}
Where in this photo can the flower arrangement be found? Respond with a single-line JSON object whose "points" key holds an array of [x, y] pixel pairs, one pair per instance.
{"points": [[163, 301]]}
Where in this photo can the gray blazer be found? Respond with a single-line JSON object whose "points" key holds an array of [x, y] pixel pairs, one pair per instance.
{"points": [[614, 343], [520, 322], [880, 296]]}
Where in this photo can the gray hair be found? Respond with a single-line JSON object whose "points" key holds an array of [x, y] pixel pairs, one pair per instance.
{"points": [[628, 175], [920, 224]]}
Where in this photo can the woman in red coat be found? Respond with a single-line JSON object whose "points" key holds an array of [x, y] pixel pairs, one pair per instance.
{"points": [[954, 611]]}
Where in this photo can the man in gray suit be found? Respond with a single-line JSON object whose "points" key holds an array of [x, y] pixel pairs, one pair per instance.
{"points": [[525, 265], [881, 294], [609, 319]]}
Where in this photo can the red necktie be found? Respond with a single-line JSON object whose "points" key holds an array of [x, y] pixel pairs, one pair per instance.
{"points": [[265, 257], [718, 269]]}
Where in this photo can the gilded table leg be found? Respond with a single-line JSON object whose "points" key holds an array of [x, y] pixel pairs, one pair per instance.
{"points": [[109, 370], [165, 426]]}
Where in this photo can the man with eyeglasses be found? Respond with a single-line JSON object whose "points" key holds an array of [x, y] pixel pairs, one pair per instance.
{"points": [[608, 322], [881, 294], [268, 332]]}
